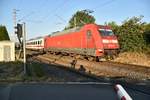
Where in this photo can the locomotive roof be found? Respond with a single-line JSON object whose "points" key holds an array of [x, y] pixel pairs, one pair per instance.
{"points": [[75, 29]]}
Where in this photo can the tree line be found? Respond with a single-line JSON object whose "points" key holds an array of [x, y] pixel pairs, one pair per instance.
{"points": [[133, 34]]}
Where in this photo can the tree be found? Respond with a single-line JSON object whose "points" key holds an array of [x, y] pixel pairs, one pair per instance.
{"points": [[3, 33], [147, 37], [113, 25], [131, 35], [80, 18], [147, 33]]}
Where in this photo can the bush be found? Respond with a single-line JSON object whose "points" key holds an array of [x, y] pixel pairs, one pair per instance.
{"points": [[3, 33], [131, 35], [147, 35]]}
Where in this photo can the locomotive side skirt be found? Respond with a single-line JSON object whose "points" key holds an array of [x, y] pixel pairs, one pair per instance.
{"points": [[81, 51]]}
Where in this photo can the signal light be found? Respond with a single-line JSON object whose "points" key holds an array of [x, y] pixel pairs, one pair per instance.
{"points": [[19, 30]]}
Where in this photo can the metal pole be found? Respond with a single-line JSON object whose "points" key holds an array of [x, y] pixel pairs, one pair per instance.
{"points": [[24, 47], [75, 22], [14, 18]]}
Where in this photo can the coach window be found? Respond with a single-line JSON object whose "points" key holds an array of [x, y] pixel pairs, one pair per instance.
{"points": [[89, 34], [40, 41]]}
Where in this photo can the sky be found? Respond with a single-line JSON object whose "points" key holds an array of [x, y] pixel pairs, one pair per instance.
{"points": [[43, 17]]}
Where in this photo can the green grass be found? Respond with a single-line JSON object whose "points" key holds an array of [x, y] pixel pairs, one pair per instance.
{"points": [[11, 71], [35, 70]]}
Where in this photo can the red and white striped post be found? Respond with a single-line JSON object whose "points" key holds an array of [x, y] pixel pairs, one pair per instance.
{"points": [[122, 94]]}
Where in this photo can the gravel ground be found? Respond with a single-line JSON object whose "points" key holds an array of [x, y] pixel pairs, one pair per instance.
{"points": [[56, 73], [38, 72], [11, 70], [104, 69]]}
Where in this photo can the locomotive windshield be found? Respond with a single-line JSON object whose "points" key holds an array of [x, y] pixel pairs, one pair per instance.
{"points": [[106, 32]]}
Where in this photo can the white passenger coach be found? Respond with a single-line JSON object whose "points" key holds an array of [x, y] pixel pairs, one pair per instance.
{"points": [[35, 44]]}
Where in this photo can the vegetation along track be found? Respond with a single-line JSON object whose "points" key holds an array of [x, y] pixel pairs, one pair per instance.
{"points": [[104, 69]]}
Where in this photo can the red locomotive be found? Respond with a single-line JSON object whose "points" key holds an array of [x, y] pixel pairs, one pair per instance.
{"points": [[90, 40]]}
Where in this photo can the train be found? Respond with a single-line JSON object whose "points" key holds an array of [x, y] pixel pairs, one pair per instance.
{"points": [[35, 43], [89, 40]]}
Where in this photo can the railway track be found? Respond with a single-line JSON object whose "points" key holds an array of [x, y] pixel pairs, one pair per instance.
{"points": [[99, 69]]}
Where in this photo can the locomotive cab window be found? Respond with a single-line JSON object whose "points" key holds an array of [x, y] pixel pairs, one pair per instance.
{"points": [[88, 34], [106, 32]]}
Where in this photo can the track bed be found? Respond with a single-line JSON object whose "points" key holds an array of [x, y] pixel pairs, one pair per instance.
{"points": [[104, 69]]}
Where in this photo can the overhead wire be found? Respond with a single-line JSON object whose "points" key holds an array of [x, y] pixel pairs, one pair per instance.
{"points": [[54, 10], [60, 18], [33, 21], [44, 18], [32, 13], [28, 15], [103, 4], [99, 6], [57, 8]]}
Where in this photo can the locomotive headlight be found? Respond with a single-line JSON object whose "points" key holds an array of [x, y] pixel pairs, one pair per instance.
{"points": [[105, 41], [114, 41], [100, 50]]}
